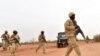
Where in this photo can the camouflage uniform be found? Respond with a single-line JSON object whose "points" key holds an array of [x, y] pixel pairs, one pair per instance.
{"points": [[42, 42], [70, 33], [14, 42], [5, 41]]}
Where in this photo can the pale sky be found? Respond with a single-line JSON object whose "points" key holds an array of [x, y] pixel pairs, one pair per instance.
{"points": [[29, 17]]}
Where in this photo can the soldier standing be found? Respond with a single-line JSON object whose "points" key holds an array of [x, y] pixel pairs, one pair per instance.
{"points": [[14, 41], [70, 30], [42, 42], [87, 39], [5, 40]]}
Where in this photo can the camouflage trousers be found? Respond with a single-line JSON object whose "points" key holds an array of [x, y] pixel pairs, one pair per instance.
{"points": [[41, 45], [5, 44], [72, 45], [14, 47]]}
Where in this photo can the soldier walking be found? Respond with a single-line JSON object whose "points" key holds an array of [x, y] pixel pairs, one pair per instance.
{"points": [[71, 31], [5, 40], [14, 41], [42, 42]]}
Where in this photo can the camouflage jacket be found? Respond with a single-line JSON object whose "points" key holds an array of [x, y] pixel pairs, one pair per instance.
{"points": [[42, 38], [69, 28]]}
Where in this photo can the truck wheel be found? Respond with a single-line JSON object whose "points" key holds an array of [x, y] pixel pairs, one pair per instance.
{"points": [[58, 45]]}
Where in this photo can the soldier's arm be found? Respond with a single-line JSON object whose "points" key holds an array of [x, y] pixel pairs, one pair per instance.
{"points": [[12, 37], [17, 39], [68, 25], [2, 35], [39, 37], [8, 37]]}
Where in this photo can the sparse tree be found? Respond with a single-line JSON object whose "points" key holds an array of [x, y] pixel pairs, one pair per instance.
{"points": [[97, 38]]}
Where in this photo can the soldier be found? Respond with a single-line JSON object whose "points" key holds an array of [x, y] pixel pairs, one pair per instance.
{"points": [[5, 40], [71, 31], [87, 39], [14, 41], [42, 42]]}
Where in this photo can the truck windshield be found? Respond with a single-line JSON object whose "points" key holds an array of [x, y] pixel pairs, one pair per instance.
{"points": [[63, 36]]}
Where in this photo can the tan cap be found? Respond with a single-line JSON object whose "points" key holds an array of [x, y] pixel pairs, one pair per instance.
{"points": [[71, 13]]}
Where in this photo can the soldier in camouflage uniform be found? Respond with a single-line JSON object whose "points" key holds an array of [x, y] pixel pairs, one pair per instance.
{"points": [[14, 41], [5, 40], [42, 41], [71, 31]]}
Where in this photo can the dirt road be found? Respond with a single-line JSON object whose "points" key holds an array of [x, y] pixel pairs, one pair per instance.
{"points": [[91, 49]]}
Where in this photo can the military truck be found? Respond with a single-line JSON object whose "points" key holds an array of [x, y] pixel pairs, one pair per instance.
{"points": [[62, 40], [0, 44]]}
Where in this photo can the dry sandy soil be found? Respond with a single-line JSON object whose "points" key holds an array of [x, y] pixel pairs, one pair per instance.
{"points": [[90, 49]]}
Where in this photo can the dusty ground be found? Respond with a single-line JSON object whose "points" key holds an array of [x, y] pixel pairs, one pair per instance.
{"points": [[91, 49]]}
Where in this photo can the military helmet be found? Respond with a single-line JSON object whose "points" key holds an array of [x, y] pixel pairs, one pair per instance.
{"points": [[42, 31], [71, 13], [6, 31], [15, 32]]}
